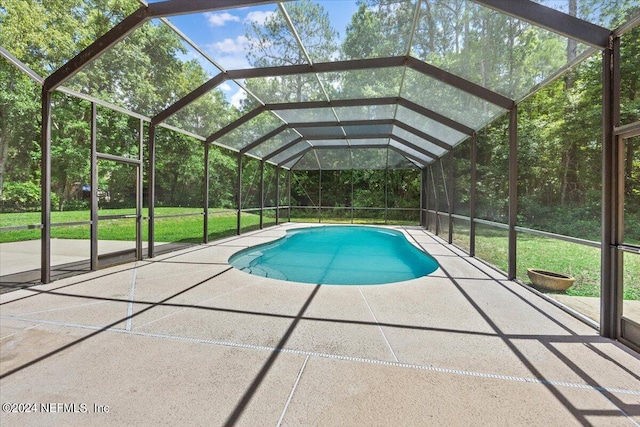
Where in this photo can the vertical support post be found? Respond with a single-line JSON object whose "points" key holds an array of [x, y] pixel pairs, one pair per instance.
{"points": [[139, 191], [205, 195], [450, 194], [436, 200], [261, 194], [611, 261], [94, 190], [239, 194], [278, 173], [429, 198], [152, 189], [513, 190], [422, 199], [320, 196], [45, 183], [473, 195], [289, 193]]}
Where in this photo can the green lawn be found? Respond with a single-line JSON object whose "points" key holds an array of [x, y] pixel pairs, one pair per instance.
{"points": [[583, 262], [187, 229]]}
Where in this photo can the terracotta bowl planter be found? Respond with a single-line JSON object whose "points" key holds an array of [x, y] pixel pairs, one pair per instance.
{"points": [[550, 281]]}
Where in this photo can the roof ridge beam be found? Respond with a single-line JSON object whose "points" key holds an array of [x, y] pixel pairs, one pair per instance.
{"points": [[97, 48], [552, 20]]}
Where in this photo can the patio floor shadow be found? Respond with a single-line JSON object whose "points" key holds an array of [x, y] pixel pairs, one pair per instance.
{"points": [[185, 339]]}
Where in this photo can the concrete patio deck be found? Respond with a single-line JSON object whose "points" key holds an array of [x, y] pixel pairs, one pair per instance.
{"points": [[185, 339]]}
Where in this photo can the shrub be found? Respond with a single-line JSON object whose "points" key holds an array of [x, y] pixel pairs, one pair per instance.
{"points": [[20, 196]]}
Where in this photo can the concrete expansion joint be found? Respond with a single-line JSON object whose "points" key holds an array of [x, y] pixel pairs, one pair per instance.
{"points": [[309, 354], [293, 390], [131, 297]]}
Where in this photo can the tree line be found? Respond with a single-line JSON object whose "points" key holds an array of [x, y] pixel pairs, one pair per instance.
{"points": [[559, 127]]}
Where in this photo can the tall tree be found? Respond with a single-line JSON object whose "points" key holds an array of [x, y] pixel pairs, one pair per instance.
{"points": [[274, 44]]}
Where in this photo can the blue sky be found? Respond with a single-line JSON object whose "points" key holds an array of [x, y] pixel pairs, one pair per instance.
{"points": [[221, 34]]}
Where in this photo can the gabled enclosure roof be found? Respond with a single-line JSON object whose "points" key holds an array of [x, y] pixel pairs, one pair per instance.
{"points": [[405, 108]]}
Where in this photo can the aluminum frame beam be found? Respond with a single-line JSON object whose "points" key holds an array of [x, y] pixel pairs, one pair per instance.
{"points": [[408, 156], [284, 70], [365, 102], [413, 159], [460, 83], [264, 138], [333, 103], [97, 48], [283, 148], [344, 103], [295, 156], [423, 135], [436, 116], [403, 153], [192, 96], [294, 126], [181, 7], [552, 20], [337, 66], [389, 136], [231, 126], [414, 147]]}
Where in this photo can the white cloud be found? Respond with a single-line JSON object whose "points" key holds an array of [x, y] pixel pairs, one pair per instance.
{"points": [[226, 87], [234, 62], [219, 19], [237, 98], [230, 53], [237, 45], [258, 17]]}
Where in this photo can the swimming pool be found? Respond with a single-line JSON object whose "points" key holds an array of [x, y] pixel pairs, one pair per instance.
{"points": [[337, 255]]}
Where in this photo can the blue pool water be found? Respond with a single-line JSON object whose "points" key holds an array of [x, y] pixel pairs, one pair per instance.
{"points": [[337, 255]]}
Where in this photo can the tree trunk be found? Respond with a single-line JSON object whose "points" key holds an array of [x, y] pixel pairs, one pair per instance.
{"points": [[570, 176], [5, 137]]}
